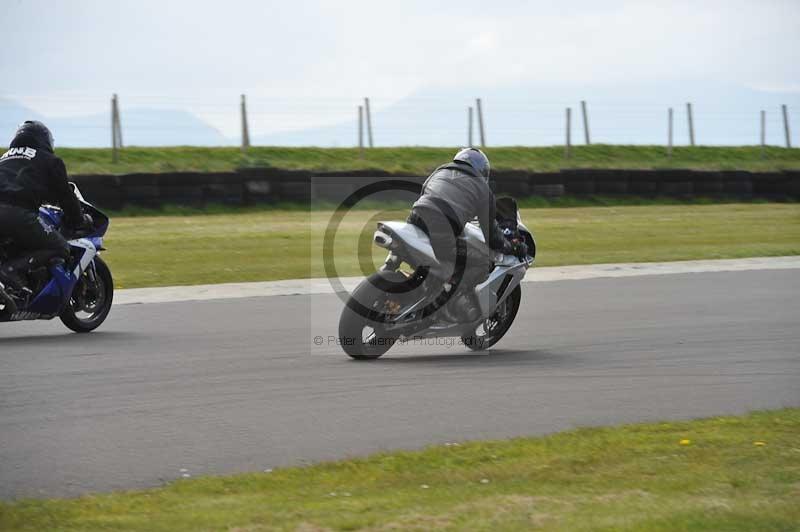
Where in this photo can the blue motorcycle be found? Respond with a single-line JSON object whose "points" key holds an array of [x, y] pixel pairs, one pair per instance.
{"points": [[79, 290]]}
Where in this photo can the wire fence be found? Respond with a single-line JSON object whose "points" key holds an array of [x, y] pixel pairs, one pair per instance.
{"points": [[152, 120]]}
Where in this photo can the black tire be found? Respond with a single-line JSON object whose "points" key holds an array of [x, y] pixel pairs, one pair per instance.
{"points": [[98, 309], [502, 324], [363, 311]]}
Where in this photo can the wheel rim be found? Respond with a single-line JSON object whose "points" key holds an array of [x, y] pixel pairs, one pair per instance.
{"points": [[494, 324], [92, 305], [368, 335], [373, 337], [374, 340]]}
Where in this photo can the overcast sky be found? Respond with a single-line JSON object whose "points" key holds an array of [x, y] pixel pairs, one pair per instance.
{"points": [[67, 56]]}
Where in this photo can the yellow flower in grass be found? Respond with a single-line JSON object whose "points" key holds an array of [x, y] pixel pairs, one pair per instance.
{"points": [[685, 442]]}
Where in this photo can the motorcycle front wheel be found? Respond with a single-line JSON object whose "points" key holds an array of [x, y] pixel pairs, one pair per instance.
{"points": [[91, 300], [493, 328]]}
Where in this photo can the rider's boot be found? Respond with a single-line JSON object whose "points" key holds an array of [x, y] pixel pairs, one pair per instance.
{"points": [[10, 270]]}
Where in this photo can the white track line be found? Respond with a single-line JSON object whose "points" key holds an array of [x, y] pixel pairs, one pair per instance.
{"points": [[171, 294]]}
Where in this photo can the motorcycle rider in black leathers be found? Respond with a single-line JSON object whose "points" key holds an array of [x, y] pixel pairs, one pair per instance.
{"points": [[30, 176], [454, 194]]}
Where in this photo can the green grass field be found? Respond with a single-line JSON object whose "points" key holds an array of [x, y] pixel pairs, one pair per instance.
{"points": [[419, 160], [261, 245], [726, 473]]}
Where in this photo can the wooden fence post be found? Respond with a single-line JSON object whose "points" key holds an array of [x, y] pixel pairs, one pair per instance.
{"points": [[786, 126], [114, 155], [119, 122], [669, 133], [116, 129], [369, 121], [361, 131], [245, 128], [568, 143], [585, 123]]}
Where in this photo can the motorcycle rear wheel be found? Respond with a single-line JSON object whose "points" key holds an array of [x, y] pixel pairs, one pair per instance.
{"points": [[361, 336], [495, 326], [100, 297]]}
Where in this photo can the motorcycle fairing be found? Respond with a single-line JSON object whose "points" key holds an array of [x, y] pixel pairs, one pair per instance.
{"points": [[415, 240], [54, 295], [494, 289]]}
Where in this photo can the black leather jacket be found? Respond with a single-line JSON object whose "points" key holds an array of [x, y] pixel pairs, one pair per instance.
{"points": [[462, 194], [31, 176]]}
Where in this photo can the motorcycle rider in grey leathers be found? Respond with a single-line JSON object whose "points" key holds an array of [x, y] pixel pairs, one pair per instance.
{"points": [[454, 194]]}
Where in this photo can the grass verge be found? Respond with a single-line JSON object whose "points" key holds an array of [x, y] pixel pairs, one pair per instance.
{"points": [[420, 161], [725, 473], [263, 245]]}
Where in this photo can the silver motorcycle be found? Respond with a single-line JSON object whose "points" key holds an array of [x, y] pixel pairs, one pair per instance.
{"points": [[411, 297]]}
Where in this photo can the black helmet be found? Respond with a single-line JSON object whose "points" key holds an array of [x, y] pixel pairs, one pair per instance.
{"points": [[34, 134], [476, 159]]}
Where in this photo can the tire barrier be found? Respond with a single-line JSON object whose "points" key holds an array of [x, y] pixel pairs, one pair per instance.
{"points": [[512, 183], [675, 183], [250, 186]]}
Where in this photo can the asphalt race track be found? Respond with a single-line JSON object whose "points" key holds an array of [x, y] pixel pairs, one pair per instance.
{"points": [[224, 386]]}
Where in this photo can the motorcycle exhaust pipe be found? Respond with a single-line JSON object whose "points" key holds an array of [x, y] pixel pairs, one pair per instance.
{"points": [[382, 239]]}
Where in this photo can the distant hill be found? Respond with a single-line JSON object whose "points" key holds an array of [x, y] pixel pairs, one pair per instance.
{"points": [[11, 115], [140, 127]]}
